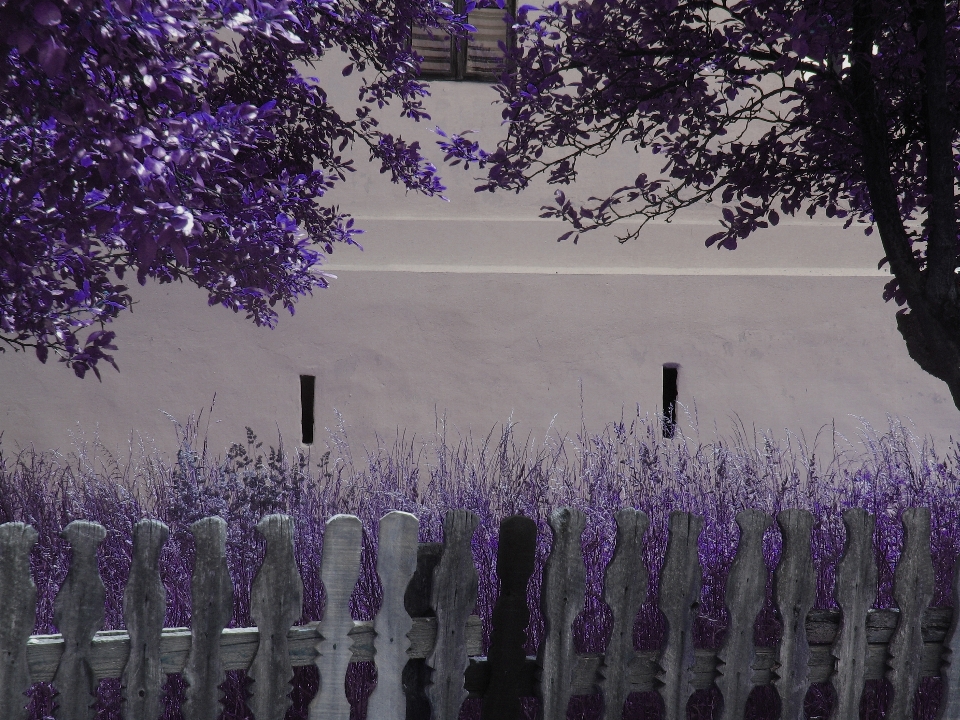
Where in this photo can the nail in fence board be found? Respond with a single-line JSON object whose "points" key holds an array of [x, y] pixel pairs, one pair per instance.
{"points": [[211, 591], [950, 672], [912, 591], [507, 659], [276, 602], [144, 606], [396, 563], [19, 597], [855, 591], [78, 612], [624, 591], [416, 601], [794, 593], [745, 593], [562, 600], [678, 600], [453, 597], [339, 570]]}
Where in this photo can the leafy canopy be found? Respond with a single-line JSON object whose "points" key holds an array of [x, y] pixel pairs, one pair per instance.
{"points": [[849, 108], [176, 140]]}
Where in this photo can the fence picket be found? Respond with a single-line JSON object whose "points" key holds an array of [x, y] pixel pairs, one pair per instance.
{"points": [[950, 667], [276, 603], [396, 563], [624, 591], [912, 591], [855, 591], [211, 592], [453, 597], [516, 555], [78, 612], [678, 600], [19, 595], [339, 570], [144, 606], [746, 589], [562, 597], [794, 592], [416, 601]]}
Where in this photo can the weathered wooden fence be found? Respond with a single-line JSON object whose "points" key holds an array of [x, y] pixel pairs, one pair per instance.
{"points": [[426, 644]]}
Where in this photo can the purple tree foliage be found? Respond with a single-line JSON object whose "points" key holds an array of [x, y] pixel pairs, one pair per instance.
{"points": [[845, 107], [177, 140]]}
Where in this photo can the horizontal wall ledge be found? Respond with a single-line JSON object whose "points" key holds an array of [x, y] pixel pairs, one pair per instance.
{"points": [[555, 270]]}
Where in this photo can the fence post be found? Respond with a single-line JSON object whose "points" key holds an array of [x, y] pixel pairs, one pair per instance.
{"points": [[855, 591], [624, 591], [396, 563], [678, 600], [144, 606], [794, 592], [950, 671], [276, 603], [912, 591], [211, 592], [453, 597], [339, 570], [507, 659], [19, 594], [745, 594], [562, 600], [78, 612]]}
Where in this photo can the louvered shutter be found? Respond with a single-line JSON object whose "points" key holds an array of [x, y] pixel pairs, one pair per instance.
{"points": [[436, 48]]}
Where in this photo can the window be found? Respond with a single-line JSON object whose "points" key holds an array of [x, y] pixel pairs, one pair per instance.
{"points": [[477, 57], [307, 392]]}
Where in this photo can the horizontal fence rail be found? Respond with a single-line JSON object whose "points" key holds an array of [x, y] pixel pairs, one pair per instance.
{"points": [[427, 645]]}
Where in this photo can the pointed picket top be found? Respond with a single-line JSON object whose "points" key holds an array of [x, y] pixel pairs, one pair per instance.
{"points": [[624, 591], [396, 564], [745, 594], [144, 607], [453, 597], [516, 560], [78, 612], [794, 593], [913, 582], [563, 593], [855, 592], [950, 671], [276, 603], [19, 607], [211, 590], [339, 570]]}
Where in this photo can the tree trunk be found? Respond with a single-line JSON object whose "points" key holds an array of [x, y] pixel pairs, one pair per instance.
{"points": [[931, 326]]}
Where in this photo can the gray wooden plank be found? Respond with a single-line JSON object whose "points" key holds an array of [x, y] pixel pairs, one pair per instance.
{"points": [[19, 612], [276, 603], [144, 606], [745, 593], [416, 601], [855, 592], [516, 559], [339, 570], [396, 563], [912, 590], [678, 600], [794, 592], [78, 612], [624, 591], [950, 672], [562, 597], [211, 592], [453, 597]]}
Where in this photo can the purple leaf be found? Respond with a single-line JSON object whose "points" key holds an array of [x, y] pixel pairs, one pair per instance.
{"points": [[46, 13]]}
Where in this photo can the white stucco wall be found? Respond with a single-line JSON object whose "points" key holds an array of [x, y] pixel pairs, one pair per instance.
{"points": [[471, 308]]}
